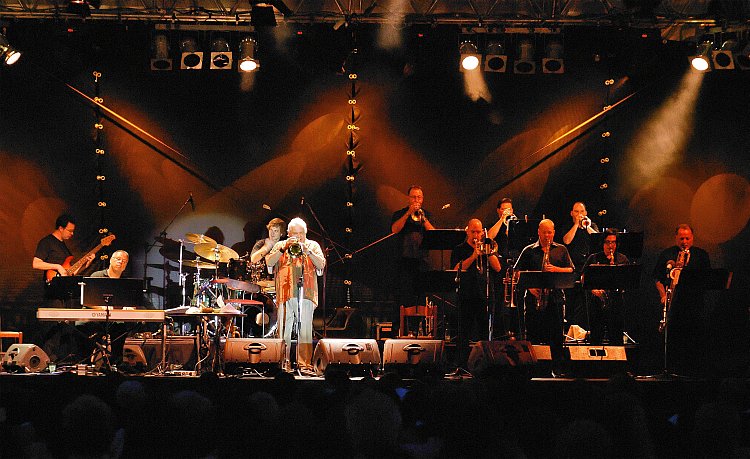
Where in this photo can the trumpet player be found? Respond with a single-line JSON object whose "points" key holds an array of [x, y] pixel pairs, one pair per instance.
{"points": [[298, 262], [477, 262], [578, 241], [544, 309], [606, 306], [684, 317], [499, 231], [409, 225]]}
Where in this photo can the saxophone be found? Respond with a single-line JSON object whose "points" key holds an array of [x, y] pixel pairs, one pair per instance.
{"points": [[541, 302], [683, 257]]}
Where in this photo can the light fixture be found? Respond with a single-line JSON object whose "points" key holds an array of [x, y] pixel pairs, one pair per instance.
{"points": [[221, 54], [495, 59], [553, 61], [722, 58], [160, 59], [470, 57], [700, 60], [8, 54], [524, 62], [247, 60], [191, 58]]}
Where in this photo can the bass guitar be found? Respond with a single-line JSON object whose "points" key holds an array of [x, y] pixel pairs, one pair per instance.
{"points": [[73, 269]]}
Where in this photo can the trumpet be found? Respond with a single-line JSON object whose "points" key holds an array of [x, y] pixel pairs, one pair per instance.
{"points": [[585, 222], [418, 215], [295, 248], [509, 215]]}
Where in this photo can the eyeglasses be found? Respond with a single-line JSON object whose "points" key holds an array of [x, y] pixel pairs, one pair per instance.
{"points": [[610, 242]]}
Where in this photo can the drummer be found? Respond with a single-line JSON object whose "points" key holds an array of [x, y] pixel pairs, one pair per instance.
{"points": [[261, 248]]}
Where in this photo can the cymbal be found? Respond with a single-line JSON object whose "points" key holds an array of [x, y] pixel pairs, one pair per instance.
{"points": [[213, 251], [198, 264], [199, 238], [266, 283], [244, 302], [237, 285]]}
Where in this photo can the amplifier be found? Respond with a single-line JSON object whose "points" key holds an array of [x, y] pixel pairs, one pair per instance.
{"points": [[361, 356], [412, 351], [29, 358], [144, 354], [254, 350], [511, 353], [597, 361]]}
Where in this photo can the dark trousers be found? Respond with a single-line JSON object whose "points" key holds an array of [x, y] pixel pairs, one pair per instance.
{"points": [[408, 289], [606, 322], [545, 326]]}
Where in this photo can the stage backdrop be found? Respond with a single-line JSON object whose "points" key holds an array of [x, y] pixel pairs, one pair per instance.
{"points": [[249, 147]]}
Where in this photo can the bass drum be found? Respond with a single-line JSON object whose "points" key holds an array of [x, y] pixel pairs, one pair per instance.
{"points": [[263, 323]]}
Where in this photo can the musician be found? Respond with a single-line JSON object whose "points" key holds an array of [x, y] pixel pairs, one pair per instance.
{"points": [[472, 258], [499, 231], [578, 240], [606, 306], [299, 261], [50, 254], [117, 264], [409, 225], [685, 313], [263, 247], [544, 309], [58, 340]]}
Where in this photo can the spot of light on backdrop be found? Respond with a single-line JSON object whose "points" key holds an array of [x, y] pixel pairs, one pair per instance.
{"points": [[209, 223], [721, 207], [657, 208], [661, 140]]}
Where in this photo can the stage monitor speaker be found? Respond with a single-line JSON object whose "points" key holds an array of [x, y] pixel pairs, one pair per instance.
{"points": [[411, 356], [597, 361], [265, 352], [144, 354], [355, 356], [28, 358], [511, 353]]}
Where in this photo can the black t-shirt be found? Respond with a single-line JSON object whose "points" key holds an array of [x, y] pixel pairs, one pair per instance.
{"points": [[51, 250], [102, 273], [472, 281], [410, 236], [579, 248], [600, 258], [531, 260], [699, 259]]}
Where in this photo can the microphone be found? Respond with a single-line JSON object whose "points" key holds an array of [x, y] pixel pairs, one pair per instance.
{"points": [[192, 202], [302, 201]]}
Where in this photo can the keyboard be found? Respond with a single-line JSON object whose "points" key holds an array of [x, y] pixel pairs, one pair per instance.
{"points": [[100, 315]]}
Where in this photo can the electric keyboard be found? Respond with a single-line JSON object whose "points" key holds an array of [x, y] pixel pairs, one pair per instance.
{"points": [[100, 315]]}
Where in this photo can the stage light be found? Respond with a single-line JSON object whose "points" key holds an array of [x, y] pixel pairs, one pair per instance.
{"points": [[469, 56], [495, 59], [160, 59], [221, 54], [8, 54], [191, 58], [700, 60], [524, 62], [553, 62], [722, 58], [247, 59]]}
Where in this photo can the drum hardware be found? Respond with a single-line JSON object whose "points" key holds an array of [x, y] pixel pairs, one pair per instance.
{"points": [[198, 264], [199, 239]]}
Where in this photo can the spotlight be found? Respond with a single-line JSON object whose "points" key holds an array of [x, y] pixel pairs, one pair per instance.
{"points": [[553, 62], [469, 56], [700, 60], [8, 54], [221, 55], [495, 59], [247, 59], [722, 58], [191, 58], [524, 62], [160, 59]]}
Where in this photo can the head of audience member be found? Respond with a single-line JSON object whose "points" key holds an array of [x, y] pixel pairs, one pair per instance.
{"points": [[88, 426], [275, 229], [474, 232], [504, 207], [297, 228], [117, 263], [684, 236], [65, 226], [546, 232]]}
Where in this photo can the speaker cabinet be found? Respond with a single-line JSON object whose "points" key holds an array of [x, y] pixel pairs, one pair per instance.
{"points": [[29, 358], [597, 361], [412, 357], [356, 356], [487, 354], [254, 351], [144, 354]]}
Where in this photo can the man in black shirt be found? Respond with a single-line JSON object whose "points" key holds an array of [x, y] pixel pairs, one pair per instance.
{"points": [[685, 316], [473, 260], [578, 240], [117, 264], [409, 225], [606, 306], [544, 309]]}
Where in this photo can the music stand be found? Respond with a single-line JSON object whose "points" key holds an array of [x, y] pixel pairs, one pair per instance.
{"points": [[628, 244], [63, 287], [522, 233], [111, 292], [612, 277], [442, 239], [544, 280]]}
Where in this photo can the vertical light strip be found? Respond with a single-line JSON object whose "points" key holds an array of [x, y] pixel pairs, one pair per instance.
{"points": [[101, 177], [352, 164]]}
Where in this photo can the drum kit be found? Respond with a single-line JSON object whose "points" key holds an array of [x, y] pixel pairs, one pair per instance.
{"points": [[223, 283]]}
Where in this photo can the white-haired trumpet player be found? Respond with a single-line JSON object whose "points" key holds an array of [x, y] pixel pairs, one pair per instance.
{"points": [[298, 262]]}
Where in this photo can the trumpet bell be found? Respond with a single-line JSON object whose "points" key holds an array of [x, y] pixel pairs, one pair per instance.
{"points": [[487, 247]]}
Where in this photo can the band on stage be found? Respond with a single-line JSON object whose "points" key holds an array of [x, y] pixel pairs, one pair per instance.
{"points": [[498, 294]]}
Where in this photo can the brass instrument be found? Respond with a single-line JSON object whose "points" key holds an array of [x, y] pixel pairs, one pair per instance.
{"points": [[585, 222], [683, 257], [418, 215], [295, 248], [485, 247], [509, 287], [509, 216], [541, 302]]}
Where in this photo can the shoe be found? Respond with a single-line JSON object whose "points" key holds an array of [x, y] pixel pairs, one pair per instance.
{"points": [[561, 375], [308, 371]]}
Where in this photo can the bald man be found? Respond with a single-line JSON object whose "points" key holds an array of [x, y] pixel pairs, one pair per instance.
{"points": [[474, 293], [117, 264], [544, 310]]}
